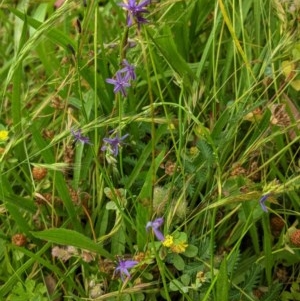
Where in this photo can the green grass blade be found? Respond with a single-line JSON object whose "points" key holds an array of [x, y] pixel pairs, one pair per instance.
{"points": [[56, 36], [144, 157], [166, 46], [71, 238], [222, 285], [267, 245]]}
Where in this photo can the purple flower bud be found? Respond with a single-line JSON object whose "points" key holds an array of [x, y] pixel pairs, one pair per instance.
{"points": [[78, 137], [155, 227], [128, 70], [262, 202]]}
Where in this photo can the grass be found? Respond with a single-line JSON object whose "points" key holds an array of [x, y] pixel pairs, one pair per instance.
{"points": [[212, 119]]}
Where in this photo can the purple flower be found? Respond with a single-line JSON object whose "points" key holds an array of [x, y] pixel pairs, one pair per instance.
{"points": [[78, 137], [113, 144], [135, 11], [128, 70], [155, 225], [262, 202], [123, 267], [120, 83]]}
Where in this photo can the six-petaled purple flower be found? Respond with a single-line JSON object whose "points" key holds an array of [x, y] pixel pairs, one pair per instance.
{"points": [[155, 225], [128, 70], [123, 267], [120, 83], [113, 144], [78, 137], [135, 11], [262, 202]]}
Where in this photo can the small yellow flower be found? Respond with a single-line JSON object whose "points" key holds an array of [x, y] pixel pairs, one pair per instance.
{"points": [[179, 247], [3, 135], [168, 242]]}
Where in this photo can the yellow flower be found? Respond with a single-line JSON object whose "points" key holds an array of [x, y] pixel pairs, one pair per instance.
{"points": [[179, 247], [3, 135], [168, 242]]}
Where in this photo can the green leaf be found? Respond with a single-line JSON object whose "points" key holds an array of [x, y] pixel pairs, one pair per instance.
{"points": [[71, 238], [222, 282], [273, 292], [22, 222], [220, 124], [267, 243], [144, 157], [252, 278], [111, 206], [147, 187], [176, 285], [296, 52], [190, 251], [118, 240], [46, 152], [260, 129], [296, 84], [185, 279], [177, 261], [248, 211], [295, 291], [11, 281]]}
